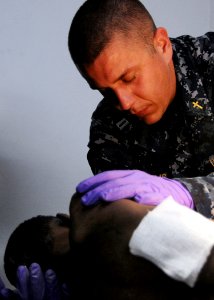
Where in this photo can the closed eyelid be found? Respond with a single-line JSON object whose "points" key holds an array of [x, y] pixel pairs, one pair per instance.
{"points": [[128, 77]]}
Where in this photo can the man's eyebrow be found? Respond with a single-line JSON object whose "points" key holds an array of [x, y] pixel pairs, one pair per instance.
{"points": [[93, 85], [126, 71]]}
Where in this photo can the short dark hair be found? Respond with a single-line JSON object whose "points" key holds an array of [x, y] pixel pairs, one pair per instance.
{"points": [[97, 21], [31, 241]]}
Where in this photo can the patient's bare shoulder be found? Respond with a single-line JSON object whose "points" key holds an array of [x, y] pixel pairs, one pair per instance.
{"points": [[100, 237], [88, 220]]}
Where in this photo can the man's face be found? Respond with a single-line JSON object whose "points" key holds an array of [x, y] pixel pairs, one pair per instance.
{"points": [[143, 79]]}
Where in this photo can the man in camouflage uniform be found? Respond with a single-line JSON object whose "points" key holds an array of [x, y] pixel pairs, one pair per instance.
{"points": [[178, 141], [170, 132]]}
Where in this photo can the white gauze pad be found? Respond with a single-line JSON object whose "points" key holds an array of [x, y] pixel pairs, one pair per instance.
{"points": [[176, 239]]}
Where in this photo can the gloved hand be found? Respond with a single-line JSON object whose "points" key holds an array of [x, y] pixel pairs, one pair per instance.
{"points": [[133, 184], [33, 285], [6, 293]]}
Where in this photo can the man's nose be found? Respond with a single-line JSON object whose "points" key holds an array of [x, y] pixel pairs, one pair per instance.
{"points": [[125, 99]]}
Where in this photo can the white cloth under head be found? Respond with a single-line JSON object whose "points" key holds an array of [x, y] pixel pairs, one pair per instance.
{"points": [[176, 239]]}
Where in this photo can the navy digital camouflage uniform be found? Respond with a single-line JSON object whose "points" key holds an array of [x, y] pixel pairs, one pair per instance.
{"points": [[181, 144]]}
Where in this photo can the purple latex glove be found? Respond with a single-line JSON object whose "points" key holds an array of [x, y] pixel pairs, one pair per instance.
{"points": [[133, 184], [30, 283], [6, 293], [33, 285]]}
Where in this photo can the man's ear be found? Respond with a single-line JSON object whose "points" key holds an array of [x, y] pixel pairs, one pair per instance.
{"points": [[163, 44]]}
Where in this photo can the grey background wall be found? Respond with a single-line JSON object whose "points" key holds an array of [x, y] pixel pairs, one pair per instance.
{"points": [[45, 105]]}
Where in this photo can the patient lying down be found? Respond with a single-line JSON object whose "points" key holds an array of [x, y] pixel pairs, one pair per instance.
{"points": [[90, 251]]}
